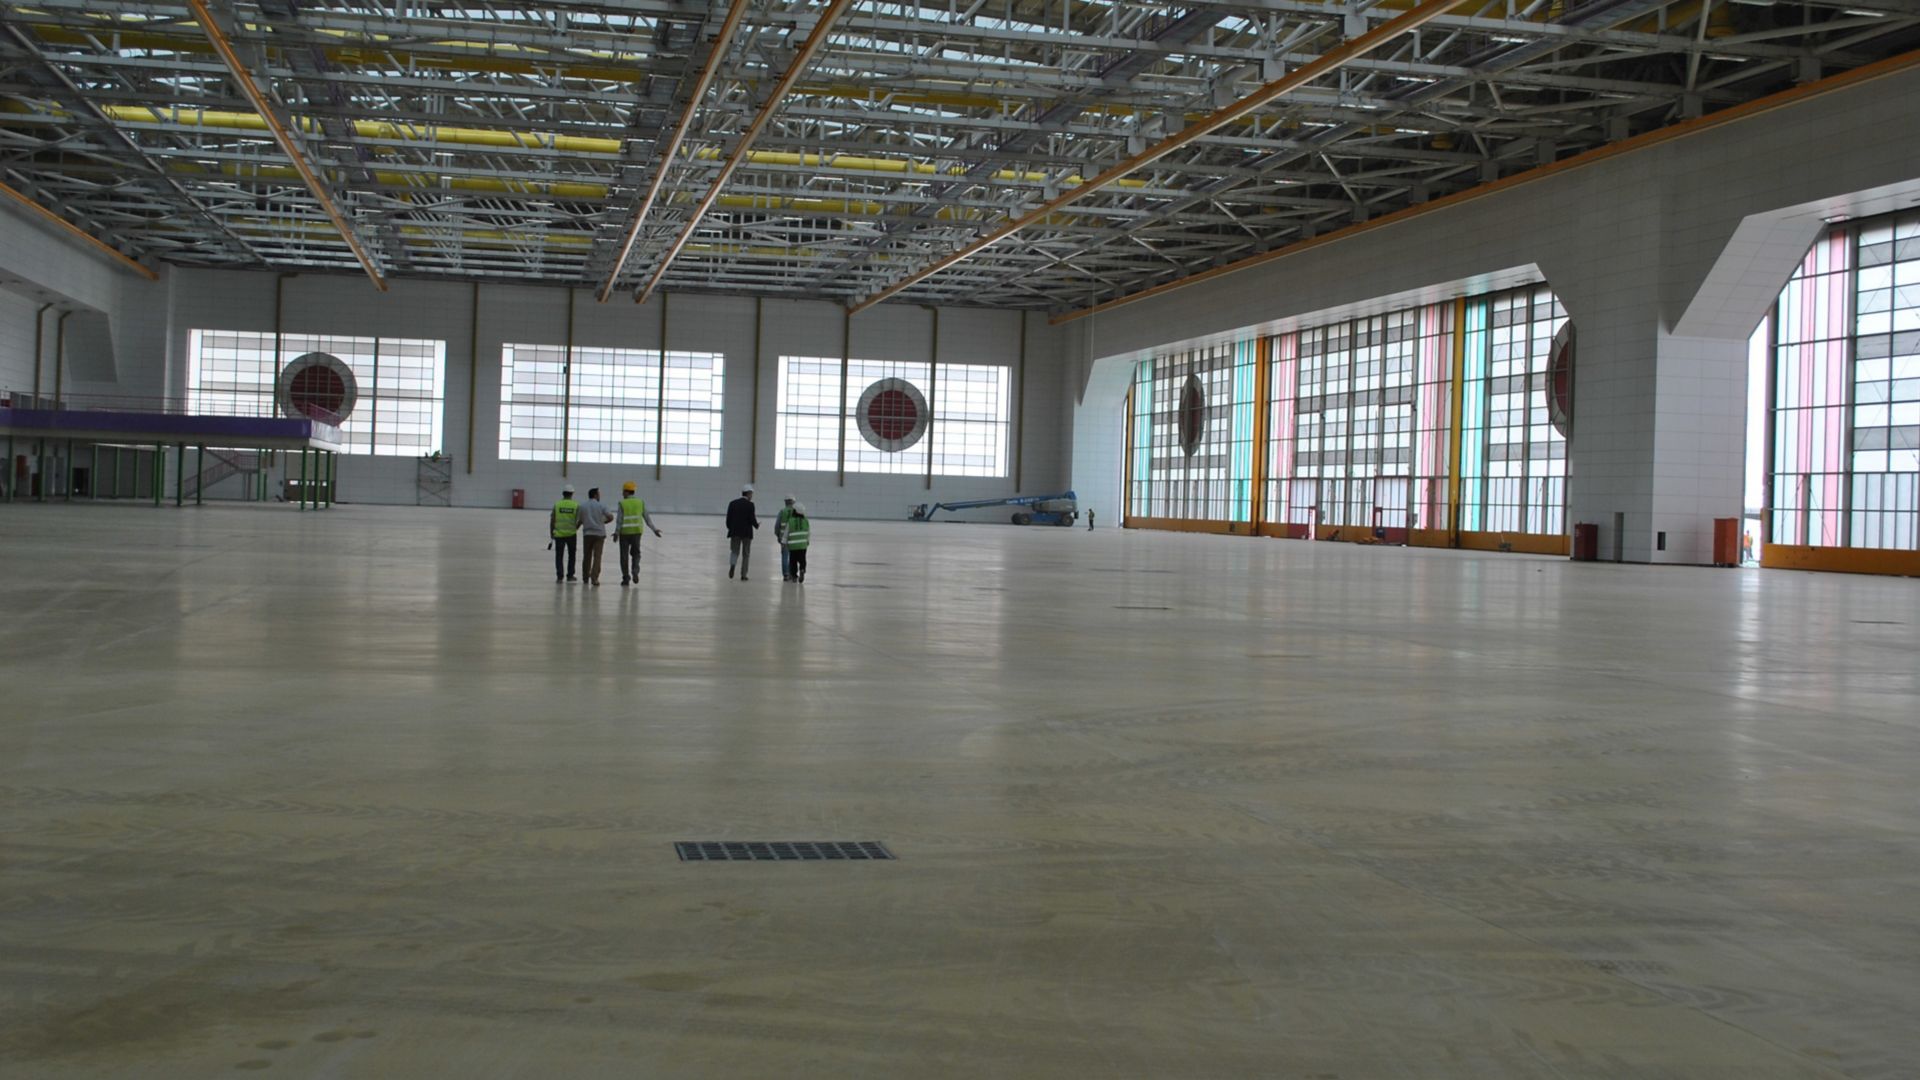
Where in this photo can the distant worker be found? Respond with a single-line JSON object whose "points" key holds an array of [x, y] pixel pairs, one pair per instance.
{"points": [[1089, 519], [562, 523], [799, 538], [594, 517], [633, 519], [780, 535], [1746, 546], [741, 521]]}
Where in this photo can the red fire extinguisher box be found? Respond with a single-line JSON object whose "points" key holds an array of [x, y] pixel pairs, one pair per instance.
{"points": [[519, 498]]}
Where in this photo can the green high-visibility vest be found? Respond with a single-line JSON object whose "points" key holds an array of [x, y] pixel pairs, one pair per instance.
{"points": [[798, 528], [566, 519], [633, 516]]}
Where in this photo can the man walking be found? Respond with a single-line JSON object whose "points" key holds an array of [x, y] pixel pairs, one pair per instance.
{"points": [[594, 516], [741, 521], [1089, 519], [799, 538], [633, 519], [780, 534], [562, 523]]}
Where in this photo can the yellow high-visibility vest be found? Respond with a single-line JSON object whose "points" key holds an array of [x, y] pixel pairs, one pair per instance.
{"points": [[633, 516], [566, 519]]}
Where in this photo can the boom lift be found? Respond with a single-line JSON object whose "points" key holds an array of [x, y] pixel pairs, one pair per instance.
{"points": [[1059, 509]]}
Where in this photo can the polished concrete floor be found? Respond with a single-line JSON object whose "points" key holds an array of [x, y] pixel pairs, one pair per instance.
{"points": [[364, 794]]}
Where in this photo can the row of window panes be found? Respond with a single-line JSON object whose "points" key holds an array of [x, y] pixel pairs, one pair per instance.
{"points": [[401, 383], [608, 407], [968, 434]]}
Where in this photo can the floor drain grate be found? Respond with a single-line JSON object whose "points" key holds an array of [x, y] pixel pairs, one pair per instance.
{"points": [[844, 586], [780, 850], [1139, 607]]}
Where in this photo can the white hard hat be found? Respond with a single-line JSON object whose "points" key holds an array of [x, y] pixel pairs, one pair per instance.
{"points": [[746, 489], [799, 509], [568, 490]]}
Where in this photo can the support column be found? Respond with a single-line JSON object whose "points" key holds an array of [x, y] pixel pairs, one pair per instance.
{"points": [[1663, 303], [179, 474], [200, 477], [303, 477]]}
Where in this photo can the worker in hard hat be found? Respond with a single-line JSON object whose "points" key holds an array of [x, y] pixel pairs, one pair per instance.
{"points": [[741, 521], [634, 520], [563, 526], [780, 534], [799, 537]]}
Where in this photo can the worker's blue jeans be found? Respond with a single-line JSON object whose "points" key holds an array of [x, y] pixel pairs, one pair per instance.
{"points": [[786, 563], [564, 548]]}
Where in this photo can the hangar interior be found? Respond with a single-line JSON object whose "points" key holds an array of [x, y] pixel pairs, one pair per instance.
{"points": [[1482, 643]]}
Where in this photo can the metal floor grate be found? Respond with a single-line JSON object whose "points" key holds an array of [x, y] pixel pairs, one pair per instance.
{"points": [[780, 850]]}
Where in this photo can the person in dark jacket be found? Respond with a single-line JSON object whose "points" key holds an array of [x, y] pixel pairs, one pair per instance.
{"points": [[741, 521]]}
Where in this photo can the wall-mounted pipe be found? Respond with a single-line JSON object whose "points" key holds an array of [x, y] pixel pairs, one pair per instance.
{"points": [[660, 401], [473, 369], [933, 389], [59, 355], [39, 347], [753, 429], [566, 393]]}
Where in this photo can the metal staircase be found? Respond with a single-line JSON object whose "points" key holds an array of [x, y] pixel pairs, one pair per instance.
{"points": [[222, 464]]}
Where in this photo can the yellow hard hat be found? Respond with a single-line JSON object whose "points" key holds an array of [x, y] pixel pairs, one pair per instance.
{"points": [[628, 486]]}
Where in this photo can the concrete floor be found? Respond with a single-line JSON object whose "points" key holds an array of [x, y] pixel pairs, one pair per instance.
{"points": [[364, 794]]}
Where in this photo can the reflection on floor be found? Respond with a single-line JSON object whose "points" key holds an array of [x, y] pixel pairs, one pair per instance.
{"points": [[365, 794]]}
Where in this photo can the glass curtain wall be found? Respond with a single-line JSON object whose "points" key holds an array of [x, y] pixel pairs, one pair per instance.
{"points": [[1845, 391], [1358, 416], [1513, 461], [1360, 423], [1193, 434]]}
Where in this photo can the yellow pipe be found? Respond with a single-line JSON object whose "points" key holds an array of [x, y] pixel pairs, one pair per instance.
{"points": [[570, 190], [578, 144], [504, 239]]}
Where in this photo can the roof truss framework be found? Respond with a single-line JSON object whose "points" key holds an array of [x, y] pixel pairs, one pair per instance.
{"points": [[513, 141]]}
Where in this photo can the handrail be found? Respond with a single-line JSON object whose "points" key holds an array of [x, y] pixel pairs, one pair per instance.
{"points": [[252, 405]]}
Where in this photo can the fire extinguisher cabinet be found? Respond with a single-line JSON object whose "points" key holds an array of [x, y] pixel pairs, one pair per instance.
{"points": [[519, 498]]}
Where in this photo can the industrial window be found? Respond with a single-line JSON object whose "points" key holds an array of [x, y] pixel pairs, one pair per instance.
{"points": [[1846, 391], [401, 381], [609, 406], [1358, 421], [1513, 462], [1193, 434], [891, 417]]}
